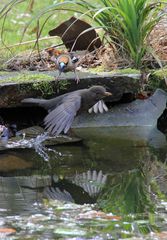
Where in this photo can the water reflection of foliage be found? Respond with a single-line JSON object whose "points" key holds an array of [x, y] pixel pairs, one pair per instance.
{"points": [[159, 180], [126, 193], [138, 190], [139, 195]]}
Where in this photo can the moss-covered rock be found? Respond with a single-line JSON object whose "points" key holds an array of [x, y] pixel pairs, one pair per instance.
{"points": [[101, 70], [23, 77], [18, 85], [157, 79]]}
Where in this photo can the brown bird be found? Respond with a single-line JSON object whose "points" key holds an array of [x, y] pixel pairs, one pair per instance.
{"points": [[64, 61], [63, 109]]}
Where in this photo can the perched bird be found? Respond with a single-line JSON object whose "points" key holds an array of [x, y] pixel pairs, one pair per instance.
{"points": [[7, 131], [64, 61], [4, 132], [64, 108]]}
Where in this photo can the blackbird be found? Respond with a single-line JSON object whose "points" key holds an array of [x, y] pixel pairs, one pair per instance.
{"points": [[64, 108]]}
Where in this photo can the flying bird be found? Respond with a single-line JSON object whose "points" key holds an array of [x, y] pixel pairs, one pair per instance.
{"points": [[63, 109]]}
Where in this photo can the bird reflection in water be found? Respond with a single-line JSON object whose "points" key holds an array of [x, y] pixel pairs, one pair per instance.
{"points": [[82, 188]]}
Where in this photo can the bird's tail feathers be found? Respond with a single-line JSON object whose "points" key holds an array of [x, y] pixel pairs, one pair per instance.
{"points": [[34, 101]]}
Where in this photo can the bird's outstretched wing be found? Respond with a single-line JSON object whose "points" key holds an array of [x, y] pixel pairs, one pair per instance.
{"points": [[60, 119], [99, 107]]}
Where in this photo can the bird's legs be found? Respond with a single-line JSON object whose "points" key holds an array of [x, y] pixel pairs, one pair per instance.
{"points": [[58, 76], [76, 76]]}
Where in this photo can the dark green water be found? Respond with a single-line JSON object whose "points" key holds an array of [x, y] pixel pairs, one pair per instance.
{"points": [[121, 172]]}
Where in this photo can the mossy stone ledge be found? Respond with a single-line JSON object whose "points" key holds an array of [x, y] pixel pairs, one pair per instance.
{"points": [[15, 86]]}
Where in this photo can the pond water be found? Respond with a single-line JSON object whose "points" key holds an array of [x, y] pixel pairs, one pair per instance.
{"points": [[112, 185]]}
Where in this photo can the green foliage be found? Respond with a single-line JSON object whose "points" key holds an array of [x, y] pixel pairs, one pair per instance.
{"points": [[156, 79], [18, 16], [44, 87], [24, 77], [41, 82], [18, 24], [62, 85], [127, 23], [126, 193], [100, 69]]}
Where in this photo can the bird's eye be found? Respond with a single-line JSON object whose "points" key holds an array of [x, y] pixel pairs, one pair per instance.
{"points": [[75, 59], [98, 93]]}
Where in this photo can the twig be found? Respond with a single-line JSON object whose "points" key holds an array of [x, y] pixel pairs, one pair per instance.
{"points": [[29, 42]]}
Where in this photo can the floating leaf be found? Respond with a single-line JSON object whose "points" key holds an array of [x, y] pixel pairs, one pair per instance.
{"points": [[7, 231], [98, 214]]}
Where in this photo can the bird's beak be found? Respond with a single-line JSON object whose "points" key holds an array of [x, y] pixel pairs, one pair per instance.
{"points": [[62, 65], [107, 94]]}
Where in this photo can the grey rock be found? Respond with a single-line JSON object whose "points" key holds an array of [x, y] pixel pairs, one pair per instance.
{"points": [[136, 121], [137, 113]]}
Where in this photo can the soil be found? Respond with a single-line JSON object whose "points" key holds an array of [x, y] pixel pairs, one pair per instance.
{"points": [[105, 56], [158, 40]]}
